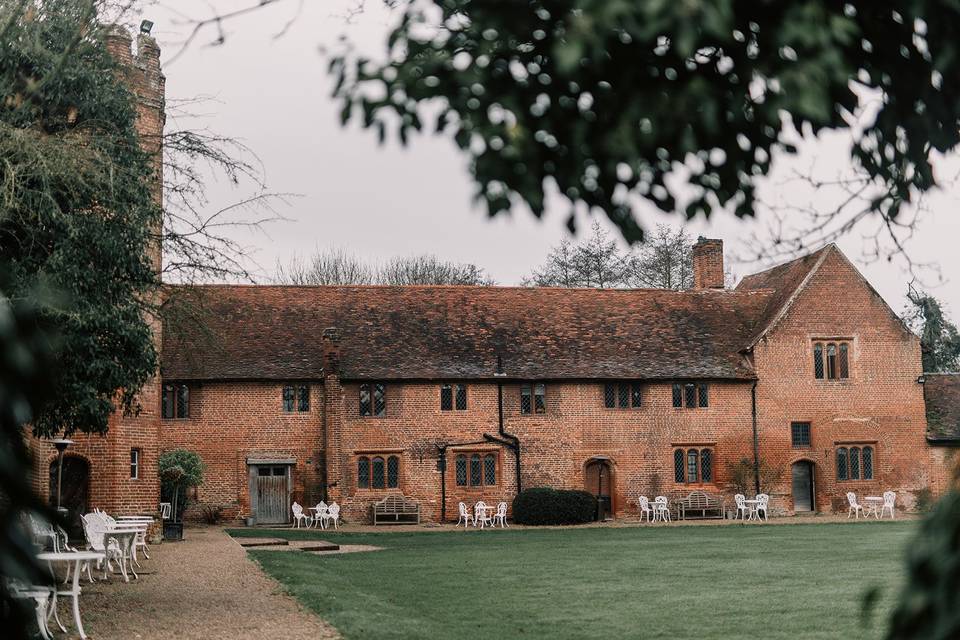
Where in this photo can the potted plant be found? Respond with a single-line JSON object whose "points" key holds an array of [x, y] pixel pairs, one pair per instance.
{"points": [[179, 470]]}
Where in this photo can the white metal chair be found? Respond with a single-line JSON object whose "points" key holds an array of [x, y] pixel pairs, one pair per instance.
{"points": [[480, 515], [661, 509], [43, 599], [319, 512], [501, 515], [97, 534], [464, 515], [743, 511], [855, 508], [643, 504], [331, 513], [300, 516], [889, 498], [763, 500]]}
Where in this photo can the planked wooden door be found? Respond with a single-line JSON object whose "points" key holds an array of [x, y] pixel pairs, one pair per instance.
{"points": [[273, 495], [803, 486], [598, 480]]}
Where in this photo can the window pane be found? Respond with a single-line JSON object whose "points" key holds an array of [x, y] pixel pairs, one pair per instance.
{"points": [[363, 473], [832, 361], [706, 465], [540, 398], [134, 463], [690, 394], [623, 395], [379, 399], [446, 398], [609, 395], [868, 463], [636, 394], [842, 463], [854, 463], [365, 399], [526, 399], [303, 398], [288, 398], [818, 361], [167, 404], [844, 361], [490, 469], [183, 401], [678, 465], [461, 397], [692, 465], [677, 396], [393, 472], [800, 434], [377, 480], [461, 471], [702, 395], [476, 478]]}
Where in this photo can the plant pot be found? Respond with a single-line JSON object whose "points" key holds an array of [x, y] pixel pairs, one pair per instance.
{"points": [[172, 530], [249, 521]]}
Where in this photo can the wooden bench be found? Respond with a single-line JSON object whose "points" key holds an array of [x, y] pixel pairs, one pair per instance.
{"points": [[699, 504], [396, 509]]}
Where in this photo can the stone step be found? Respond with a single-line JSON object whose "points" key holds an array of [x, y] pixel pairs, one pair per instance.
{"points": [[262, 542]]}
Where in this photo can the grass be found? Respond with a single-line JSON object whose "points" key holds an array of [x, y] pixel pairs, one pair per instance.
{"points": [[785, 581]]}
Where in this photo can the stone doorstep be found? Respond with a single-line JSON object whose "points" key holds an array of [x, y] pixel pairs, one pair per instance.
{"points": [[314, 545], [262, 542]]}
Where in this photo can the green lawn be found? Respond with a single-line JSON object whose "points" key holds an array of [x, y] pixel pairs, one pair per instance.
{"points": [[785, 581]]}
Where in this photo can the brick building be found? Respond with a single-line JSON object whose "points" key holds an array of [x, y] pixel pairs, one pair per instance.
{"points": [[802, 375]]}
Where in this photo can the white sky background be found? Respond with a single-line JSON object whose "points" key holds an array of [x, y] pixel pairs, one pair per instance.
{"points": [[380, 201]]}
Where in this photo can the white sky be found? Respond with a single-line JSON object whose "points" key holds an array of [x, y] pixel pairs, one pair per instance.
{"points": [[378, 202]]}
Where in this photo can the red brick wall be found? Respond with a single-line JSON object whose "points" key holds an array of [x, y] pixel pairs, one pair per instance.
{"points": [[880, 403]]}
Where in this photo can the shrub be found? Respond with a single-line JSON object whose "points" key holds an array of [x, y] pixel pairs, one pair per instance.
{"points": [[212, 513], [923, 500], [543, 505]]}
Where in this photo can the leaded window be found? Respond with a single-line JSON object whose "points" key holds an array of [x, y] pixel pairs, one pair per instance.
{"points": [[690, 395], [373, 399], [460, 391], [636, 394], [610, 395], [622, 395], [393, 472], [296, 397], [175, 402], [526, 399], [868, 463], [818, 361], [854, 464], [461, 467], [831, 360], [693, 458], [453, 395], [800, 434], [843, 361], [303, 397], [702, 398], [490, 469], [377, 477], [288, 396], [476, 469], [533, 398], [677, 395], [678, 469], [363, 472], [446, 397], [706, 465], [842, 463], [476, 473]]}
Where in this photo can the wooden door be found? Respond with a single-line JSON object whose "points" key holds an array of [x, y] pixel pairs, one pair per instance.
{"points": [[74, 492], [803, 486], [273, 494], [598, 480]]}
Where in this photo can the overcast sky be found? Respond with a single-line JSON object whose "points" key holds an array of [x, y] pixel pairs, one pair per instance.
{"points": [[381, 201]]}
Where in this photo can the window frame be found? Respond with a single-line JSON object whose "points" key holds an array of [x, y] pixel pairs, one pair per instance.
{"points": [[370, 458], [467, 456], [175, 393], [850, 461], [831, 359], [536, 394], [628, 391], [690, 395], [296, 392], [450, 397], [135, 454], [371, 389], [794, 441], [686, 454]]}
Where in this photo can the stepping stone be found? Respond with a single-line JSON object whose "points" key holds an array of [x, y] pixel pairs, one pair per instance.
{"points": [[316, 545], [262, 542]]}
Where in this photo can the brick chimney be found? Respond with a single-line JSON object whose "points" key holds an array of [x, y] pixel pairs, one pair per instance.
{"points": [[708, 264], [331, 351]]}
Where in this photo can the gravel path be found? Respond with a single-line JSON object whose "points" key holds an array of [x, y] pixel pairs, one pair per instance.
{"points": [[204, 588]]}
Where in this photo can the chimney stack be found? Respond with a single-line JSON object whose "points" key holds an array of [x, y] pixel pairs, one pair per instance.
{"points": [[331, 351], [708, 264]]}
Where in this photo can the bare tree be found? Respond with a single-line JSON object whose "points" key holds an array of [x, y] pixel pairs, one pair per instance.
{"points": [[559, 270], [663, 261], [336, 267]]}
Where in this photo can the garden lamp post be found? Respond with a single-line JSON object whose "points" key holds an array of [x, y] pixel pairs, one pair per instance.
{"points": [[61, 444]]}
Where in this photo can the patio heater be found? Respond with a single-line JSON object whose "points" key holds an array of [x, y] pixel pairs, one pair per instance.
{"points": [[61, 444]]}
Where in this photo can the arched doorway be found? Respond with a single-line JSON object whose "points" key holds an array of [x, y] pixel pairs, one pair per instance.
{"points": [[598, 480], [75, 490], [803, 489]]}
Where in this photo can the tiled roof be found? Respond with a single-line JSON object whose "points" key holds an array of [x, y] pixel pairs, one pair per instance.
{"points": [[941, 391], [436, 332]]}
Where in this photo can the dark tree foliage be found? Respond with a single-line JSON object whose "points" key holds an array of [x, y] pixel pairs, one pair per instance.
{"points": [[76, 212], [25, 366], [939, 338], [610, 97]]}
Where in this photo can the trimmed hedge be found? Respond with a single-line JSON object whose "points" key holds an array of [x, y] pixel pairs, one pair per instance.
{"points": [[543, 505]]}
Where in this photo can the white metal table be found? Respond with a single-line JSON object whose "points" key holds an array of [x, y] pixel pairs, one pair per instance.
{"points": [[752, 505], [318, 516], [137, 521], [77, 558], [873, 505], [126, 537]]}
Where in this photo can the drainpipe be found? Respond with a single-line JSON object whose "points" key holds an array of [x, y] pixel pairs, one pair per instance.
{"points": [[442, 468], [503, 433], [756, 438]]}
